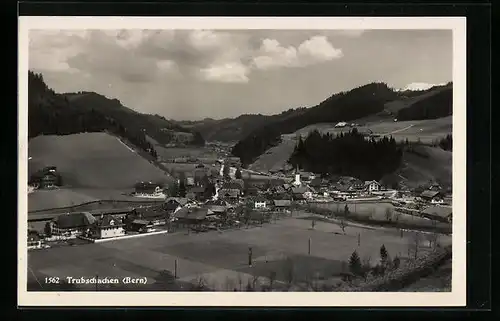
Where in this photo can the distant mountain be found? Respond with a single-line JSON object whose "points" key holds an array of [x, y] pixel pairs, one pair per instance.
{"points": [[235, 129], [373, 101], [51, 113]]}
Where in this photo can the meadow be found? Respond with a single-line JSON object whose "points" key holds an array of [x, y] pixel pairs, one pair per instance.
{"points": [[220, 259], [92, 160]]}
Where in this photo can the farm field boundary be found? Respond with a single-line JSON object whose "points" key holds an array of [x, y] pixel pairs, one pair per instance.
{"points": [[99, 202], [443, 228]]}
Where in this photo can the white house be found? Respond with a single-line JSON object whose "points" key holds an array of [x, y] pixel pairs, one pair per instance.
{"points": [[109, 227], [372, 186], [341, 124]]}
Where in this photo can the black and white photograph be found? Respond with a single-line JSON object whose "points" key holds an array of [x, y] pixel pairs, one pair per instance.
{"points": [[180, 157]]}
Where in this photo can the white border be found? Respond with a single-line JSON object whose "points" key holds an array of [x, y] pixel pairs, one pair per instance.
{"points": [[455, 298]]}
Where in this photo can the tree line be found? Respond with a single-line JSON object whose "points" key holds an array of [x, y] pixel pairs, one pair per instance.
{"points": [[345, 106], [347, 154]]}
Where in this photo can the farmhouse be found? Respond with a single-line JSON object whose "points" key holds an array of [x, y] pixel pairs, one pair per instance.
{"points": [[192, 216], [196, 193], [431, 196], [141, 226], [72, 224], [109, 226], [48, 177], [155, 216], [217, 206], [372, 186], [301, 193], [173, 204], [147, 189], [438, 213]]}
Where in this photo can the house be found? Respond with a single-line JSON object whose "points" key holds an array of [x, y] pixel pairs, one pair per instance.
{"points": [[72, 224], [307, 176], [429, 196], [192, 216], [34, 240], [438, 213], [153, 215], [341, 124], [229, 195], [196, 193], [141, 226], [48, 177], [252, 191], [317, 182], [109, 226], [148, 189], [173, 204], [218, 207], [282, 205], [372, 186], [356, 185], [301, 193]]}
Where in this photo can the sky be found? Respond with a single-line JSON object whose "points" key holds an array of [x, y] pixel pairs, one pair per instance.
{"points": [[195, 74]]}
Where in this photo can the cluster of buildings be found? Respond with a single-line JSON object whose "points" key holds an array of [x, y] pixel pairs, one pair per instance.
{"points": [[215, 200], [45, 178]]}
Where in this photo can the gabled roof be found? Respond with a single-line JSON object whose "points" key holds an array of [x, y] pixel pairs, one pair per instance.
{"points": [[232, 185], [282, 203], [429, 194], [74, 220], [180, 200], [299, 190], [217, 202], [197, 213], [229, 192], [371, 182], [110, 220], [197, 189], [442, 211]]}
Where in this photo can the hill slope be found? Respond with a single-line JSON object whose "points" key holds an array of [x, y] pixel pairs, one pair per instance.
{"points": [[371, 104], [92, 160], [424, 130], [51, 113]]}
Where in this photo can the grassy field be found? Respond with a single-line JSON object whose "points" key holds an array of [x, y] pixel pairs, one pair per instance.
{"points": [[64, 197], [221, 259], [196, 152], [92, 160]]}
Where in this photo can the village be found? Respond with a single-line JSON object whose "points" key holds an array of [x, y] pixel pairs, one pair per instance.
{"points": [[205, 200]]}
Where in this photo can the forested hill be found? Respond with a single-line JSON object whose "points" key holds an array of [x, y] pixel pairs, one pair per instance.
{"points": [[345, 106], [51, 113], [234, 129]]}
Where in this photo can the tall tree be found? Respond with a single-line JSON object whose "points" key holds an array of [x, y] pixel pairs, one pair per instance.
{"points": [[355, 264]]}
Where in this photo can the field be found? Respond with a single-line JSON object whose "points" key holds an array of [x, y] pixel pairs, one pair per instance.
{"points": [[180, 152], [221, 259], [377, 211], [92, 160], [64, 197]]}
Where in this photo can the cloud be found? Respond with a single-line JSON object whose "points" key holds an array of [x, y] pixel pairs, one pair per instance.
{"points": [[316, 49], [148, 55], [233, 72]]}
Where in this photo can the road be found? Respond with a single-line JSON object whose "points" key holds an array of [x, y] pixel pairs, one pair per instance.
{"points": [[399, 130]]}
